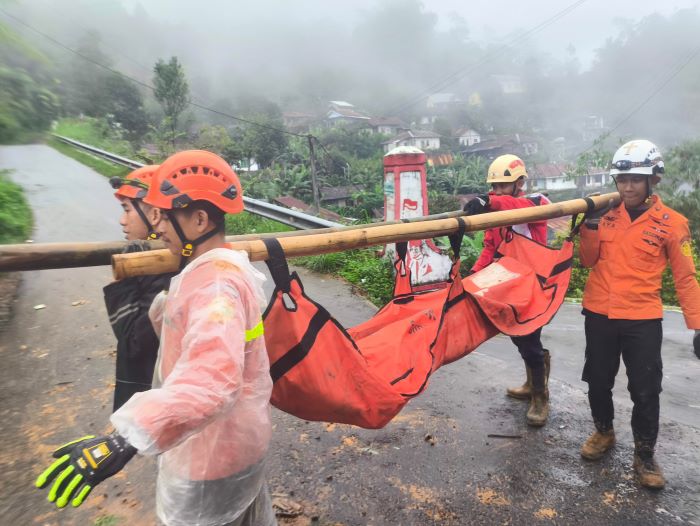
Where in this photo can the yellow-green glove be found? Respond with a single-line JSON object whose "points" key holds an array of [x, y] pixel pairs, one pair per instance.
{"points": [[82, 464]]}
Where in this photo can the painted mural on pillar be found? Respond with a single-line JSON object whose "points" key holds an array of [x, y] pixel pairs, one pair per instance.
{"points": [[405, 197]]}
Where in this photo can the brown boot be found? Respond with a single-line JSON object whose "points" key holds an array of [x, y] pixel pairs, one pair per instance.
{"points": [[648, 471], [524, 392], [597, 444], [538, 411]]}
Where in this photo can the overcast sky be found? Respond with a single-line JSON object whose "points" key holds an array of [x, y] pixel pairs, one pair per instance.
{"points": [[585, 27]]}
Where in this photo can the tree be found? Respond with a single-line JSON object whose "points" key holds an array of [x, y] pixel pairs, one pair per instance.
{"points": [[24, 105], [121, 100], [82, 78], [680, 186], [464, 176], [296, 182], [595, 157], [214, 139], [171, 91]]}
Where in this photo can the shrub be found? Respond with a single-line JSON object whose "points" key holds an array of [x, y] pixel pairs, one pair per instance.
{"points": [[15, 214]]}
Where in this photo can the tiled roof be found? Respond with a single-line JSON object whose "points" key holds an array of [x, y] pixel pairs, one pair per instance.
{"points": [[548, 171], [413, 134]]}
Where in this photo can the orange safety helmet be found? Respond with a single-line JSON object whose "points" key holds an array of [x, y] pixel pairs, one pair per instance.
{"points": [[135, 185], [196, 175]]}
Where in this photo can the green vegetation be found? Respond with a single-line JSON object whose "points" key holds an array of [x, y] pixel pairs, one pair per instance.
{"points": [[97, 132], [27, 102], [173, 94], [369, 274], [15, 214], [106, 168], [247, 223]]}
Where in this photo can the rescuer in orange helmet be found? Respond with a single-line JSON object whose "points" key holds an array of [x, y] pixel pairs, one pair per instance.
{"points": [[207, 416], [128, 300]]}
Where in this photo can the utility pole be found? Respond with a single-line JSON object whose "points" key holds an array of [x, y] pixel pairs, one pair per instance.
{"points": [[314, 184]]}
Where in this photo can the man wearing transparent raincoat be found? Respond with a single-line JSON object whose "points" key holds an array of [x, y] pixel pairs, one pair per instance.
{"points": [[208, 414]]}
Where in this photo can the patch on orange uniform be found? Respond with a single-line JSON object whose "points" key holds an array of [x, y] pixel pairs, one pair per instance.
{"points": [[687, 249]]}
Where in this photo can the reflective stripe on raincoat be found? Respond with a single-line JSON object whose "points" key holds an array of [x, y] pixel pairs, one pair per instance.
{"points": [[208, 415]]}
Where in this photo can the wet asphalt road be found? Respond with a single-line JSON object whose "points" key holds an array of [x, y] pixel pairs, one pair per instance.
{"points": [[434, 464]]}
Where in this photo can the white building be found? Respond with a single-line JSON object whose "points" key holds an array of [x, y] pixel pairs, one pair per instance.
{"points": [[423, 139], [468, 137], [557, 177]]}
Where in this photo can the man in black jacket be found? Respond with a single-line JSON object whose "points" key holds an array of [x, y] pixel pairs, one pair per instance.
{"points": [[128, 300]]}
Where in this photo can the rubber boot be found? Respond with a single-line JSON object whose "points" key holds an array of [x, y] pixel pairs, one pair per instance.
{"points": [[598, 444], [648, 471], [524, 392], [538, 411]]}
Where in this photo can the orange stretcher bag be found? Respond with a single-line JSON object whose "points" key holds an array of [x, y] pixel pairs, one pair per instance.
{"points": [[366, 374]]}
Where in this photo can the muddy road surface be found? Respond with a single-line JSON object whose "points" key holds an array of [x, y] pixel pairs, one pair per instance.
{"points": [[459, 454]]}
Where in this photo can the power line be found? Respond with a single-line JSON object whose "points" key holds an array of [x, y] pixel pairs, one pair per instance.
{"points": [[329, 154], [453, 77], [143, 84], [659, 86]]}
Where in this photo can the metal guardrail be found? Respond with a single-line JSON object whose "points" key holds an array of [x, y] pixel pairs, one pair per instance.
{"points": [[258, 207]]}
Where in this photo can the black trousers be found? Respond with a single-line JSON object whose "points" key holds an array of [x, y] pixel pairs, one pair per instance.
{"points": [[639, 344], [530, 348]]}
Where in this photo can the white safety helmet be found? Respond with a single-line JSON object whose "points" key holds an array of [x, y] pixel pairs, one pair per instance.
{"points": [[638, 157]]}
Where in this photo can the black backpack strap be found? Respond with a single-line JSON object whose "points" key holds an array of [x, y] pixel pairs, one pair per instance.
{"points": [[277, 263], [401, 250], [456, 238]]}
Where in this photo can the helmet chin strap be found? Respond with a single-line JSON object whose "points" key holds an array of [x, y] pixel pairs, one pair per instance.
{"points": [[151, 233], [187, 245]]}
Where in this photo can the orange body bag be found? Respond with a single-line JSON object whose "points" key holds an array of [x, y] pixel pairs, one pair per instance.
{"points": [[366, 374]]}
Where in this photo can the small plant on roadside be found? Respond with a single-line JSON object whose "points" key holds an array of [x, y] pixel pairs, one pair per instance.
{"points": [[15, 214]]}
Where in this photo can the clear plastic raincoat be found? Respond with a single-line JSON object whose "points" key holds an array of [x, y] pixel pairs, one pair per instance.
{"points": [[208, 414]]}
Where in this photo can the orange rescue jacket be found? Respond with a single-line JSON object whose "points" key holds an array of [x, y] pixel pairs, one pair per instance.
{"points": [[627, 259]]}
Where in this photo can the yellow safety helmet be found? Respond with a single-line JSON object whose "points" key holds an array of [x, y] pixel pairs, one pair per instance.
{"points": [[506, 169]]}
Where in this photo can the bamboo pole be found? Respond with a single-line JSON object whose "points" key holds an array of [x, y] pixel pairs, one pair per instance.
{"points": [[41, 256], [161, 261]]}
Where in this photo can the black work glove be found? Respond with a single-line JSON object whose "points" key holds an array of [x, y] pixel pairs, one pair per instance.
{"points": [[478, 205], [138, 245], [696, 343], [82, 464], [592, 219]]}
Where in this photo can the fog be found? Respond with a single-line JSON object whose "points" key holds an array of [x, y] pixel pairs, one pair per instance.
{"points": [[629, 62]]}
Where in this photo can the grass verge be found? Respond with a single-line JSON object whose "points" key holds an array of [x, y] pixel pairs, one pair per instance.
{"points": [[15, 227], [106, 168], [370, 275], [95, 132], [15, 214]]}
